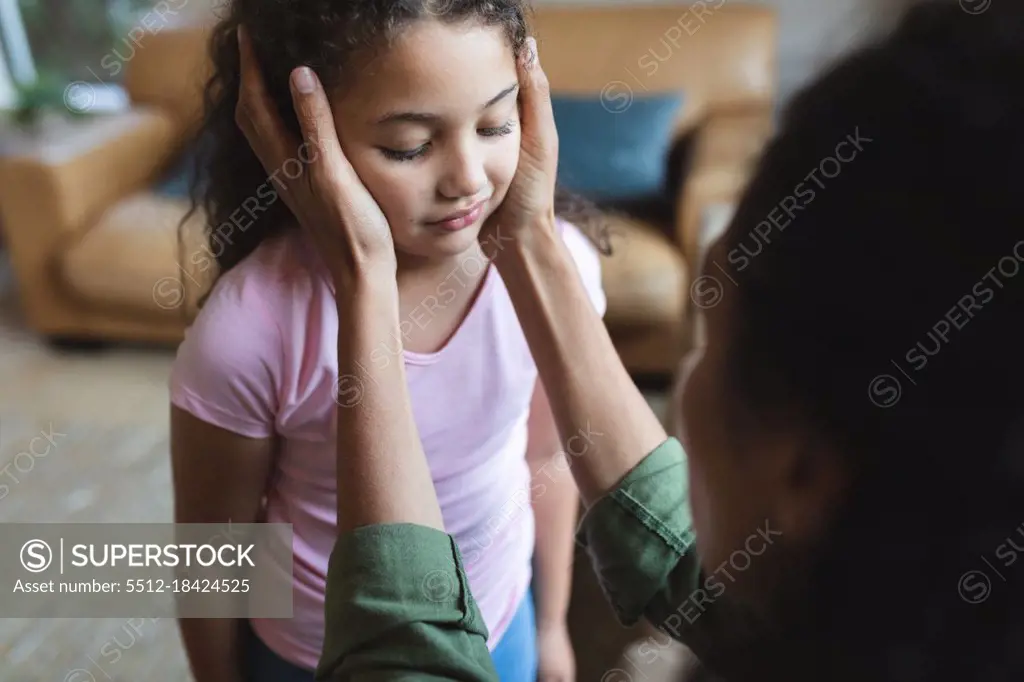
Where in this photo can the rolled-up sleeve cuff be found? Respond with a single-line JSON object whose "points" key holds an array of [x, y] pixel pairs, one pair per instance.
{"points": [[637, 533], [383, 578]]}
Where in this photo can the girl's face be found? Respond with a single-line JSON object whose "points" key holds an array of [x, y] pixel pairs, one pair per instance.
{"points": [[431, 125]]}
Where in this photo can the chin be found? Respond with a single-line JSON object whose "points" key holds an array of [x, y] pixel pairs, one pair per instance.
{"points": [[440, 246]]}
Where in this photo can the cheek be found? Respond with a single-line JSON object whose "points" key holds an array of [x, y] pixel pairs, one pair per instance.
{"points": [[396, 187], [691, 401], [705, 533], [725, 489], [502, 161], [717, 498]]}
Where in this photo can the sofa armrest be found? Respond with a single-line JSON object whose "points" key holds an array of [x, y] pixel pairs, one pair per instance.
{"points": [[68, 176], [58, 182], [728, 146], [691, 116]]}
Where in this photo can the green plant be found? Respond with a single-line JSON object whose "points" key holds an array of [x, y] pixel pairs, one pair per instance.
{"points": [[34, 100], [70, 37]]}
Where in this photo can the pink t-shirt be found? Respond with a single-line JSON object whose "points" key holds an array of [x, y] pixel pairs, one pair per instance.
{"points": [[261, 359]]}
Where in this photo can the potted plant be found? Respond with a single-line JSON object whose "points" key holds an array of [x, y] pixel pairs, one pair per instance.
{"points": [[45, 97]]}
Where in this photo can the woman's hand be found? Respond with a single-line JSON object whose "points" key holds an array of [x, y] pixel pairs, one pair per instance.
{"points": [[327, 197], [530, 202], [556, 661]]}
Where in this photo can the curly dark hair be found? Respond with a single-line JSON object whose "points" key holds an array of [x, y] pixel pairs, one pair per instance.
{"points": [[327, 36], [887, 312]]}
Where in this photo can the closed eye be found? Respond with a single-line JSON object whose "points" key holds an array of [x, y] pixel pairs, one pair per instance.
{"points": [[404, 154], [505, 129], [413, 154]]}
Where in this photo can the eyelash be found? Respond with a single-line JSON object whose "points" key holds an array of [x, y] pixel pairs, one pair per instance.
{"points": [[412, 155], [500, 131]]}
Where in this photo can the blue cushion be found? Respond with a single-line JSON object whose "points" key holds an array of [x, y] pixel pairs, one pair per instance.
{"points": [[615, 148], [177, 178]]}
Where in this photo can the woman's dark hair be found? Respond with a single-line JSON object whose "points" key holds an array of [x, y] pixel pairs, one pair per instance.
{"points": [[326, 35], [877, 264]]}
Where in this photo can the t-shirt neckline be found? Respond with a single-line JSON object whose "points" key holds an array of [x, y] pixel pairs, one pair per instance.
{"points": [[476, 307]]}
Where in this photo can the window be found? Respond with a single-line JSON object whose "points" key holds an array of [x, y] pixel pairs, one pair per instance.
{"points": [[7, 94], [69, 38]]}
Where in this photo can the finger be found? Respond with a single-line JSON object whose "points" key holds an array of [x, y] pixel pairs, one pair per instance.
{"points": [[331, 166], [255, 112], [535, 93]]}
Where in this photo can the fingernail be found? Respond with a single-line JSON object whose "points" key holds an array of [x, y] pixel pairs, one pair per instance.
{"points": [[531, 52], [302, 77]]}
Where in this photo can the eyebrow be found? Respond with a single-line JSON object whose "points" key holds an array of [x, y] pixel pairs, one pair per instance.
{"points": [[420, 117]]}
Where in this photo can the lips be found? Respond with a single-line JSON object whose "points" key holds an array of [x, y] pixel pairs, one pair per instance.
{"points": [[458, 214], [460, 219]]}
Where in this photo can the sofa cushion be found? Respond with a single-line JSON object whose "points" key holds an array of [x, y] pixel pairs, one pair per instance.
{"points": [[644, 277], [734, 139], [131, 258], [615, 145], [186, 167]]}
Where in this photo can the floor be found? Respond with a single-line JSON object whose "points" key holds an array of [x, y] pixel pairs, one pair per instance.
{"points": [[107, 412]]}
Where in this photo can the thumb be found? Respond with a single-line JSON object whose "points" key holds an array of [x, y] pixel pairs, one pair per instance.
{"points": [[538, 120]]}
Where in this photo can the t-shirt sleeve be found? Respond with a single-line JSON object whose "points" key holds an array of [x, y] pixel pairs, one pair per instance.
{"points": [[588, 262], [226, 371]]}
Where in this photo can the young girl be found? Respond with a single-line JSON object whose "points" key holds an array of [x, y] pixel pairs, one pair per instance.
{"points": [[424, 98], [856, 514]]}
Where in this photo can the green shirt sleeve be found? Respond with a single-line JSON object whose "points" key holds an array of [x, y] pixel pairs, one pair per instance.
{"points": [[398, 607], [641, 543], [640, 535]]}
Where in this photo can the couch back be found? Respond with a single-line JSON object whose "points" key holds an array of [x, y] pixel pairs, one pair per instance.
{"points": [[170, 67], [720, 53]]}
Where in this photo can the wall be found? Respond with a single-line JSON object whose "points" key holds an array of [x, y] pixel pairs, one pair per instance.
{"points": [[810, 30]]}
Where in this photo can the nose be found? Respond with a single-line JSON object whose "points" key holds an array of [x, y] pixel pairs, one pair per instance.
{"points": [[463, 174]]}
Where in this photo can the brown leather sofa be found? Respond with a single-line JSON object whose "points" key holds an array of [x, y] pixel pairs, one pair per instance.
{"points": [[722, 56], [89, 243], [96, 252]]}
